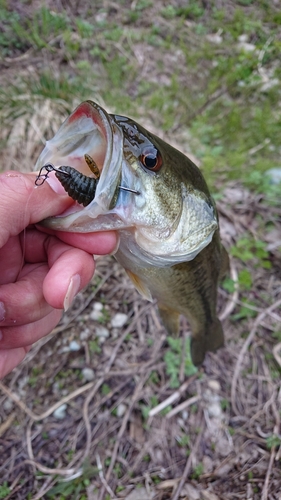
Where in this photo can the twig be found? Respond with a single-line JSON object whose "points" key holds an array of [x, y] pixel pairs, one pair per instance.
{"points": [[102, 478], [6, 424], [171, 399], [189, 462], [264, 495], [242, 353], [183, 406], [276, 350], [47, 470]]}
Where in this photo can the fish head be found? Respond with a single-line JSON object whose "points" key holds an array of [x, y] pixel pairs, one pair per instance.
{"points": [[149, 191]]}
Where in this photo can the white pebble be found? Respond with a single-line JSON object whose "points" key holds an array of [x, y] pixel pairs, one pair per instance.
{"points": [[102, 332], [8, 404], [97, 313], [88, 374], [247, 47], [184, 414], [84, 335], [74, 346], [243, 38], [215, 38], [214, 385], [60, 412], [214, 410], [98, 306], [120, 410], [119, 320]]}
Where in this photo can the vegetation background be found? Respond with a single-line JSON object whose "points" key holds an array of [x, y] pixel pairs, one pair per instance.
{"points": [[204, 75]]}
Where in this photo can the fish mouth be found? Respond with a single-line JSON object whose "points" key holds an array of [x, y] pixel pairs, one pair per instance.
{"points": [[88, 130]]}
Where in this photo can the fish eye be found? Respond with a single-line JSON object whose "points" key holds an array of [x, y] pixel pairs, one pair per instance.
{"points": [[151, 159]]}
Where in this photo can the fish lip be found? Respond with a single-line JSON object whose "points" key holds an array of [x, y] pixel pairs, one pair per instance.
{"points": [[89, 129]]}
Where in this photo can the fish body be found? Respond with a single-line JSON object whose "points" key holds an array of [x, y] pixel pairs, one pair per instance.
{"points": [[158, 201]]}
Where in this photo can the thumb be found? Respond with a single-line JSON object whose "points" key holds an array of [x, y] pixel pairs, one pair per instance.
{"points": [[22, 203]]}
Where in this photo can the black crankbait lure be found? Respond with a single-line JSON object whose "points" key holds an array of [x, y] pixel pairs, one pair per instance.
{"points": [[79, 187]]}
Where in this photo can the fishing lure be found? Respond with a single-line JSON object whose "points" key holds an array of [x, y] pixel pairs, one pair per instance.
{"points": [[80, 187]]}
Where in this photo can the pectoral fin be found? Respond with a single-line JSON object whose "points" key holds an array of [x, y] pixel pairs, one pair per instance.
{"points": [[141, 287], [170, 319]]}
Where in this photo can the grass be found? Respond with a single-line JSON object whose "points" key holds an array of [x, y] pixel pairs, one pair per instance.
{"points": [[170, 73]]}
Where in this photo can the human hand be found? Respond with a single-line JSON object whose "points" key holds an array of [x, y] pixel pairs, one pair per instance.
{"points": [[40, 274]]}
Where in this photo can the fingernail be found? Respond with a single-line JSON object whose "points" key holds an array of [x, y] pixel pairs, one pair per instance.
{"points": [[117, 246], [73, 289], [2, 311]]}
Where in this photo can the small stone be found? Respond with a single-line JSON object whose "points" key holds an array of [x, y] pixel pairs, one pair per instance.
{"points": [[8, 405], [121, 410], [102, 332], [180, 422], [74, 346], [184, 415], [215, 38], [98, 306], [88, 374], [84, 335], [119, 320], [97, 313], [214, 410], [243, 38], [247, 47], [60, 412], [274, 175], [214, 385]]}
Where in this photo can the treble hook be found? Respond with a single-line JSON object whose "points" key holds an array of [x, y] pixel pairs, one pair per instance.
{"points": [[49, 167]]}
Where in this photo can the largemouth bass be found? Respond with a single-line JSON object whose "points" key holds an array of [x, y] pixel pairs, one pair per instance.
{"points": [[158, 201]]}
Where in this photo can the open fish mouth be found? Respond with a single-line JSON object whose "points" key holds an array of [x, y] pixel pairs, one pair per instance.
{"points": [[162, 216], [89, 130]]}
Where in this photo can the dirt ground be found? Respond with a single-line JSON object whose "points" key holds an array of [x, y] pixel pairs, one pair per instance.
{"points": [[107, 406]]}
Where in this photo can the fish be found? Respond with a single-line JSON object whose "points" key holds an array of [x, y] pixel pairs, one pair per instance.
{"points": [[158, 201]]}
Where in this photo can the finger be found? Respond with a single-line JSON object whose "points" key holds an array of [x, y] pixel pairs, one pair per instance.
{"points": [[100, 243], [23, 301], [11, 260], [10, 358], [22, 203], [70, 270], [21, 336]]}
